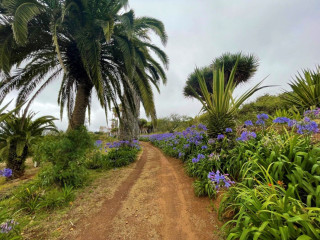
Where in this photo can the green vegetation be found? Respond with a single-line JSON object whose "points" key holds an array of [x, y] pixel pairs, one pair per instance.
{"points": [[17, 134], [93, 48], [219, 103], [69, 161], [247, 66], [305, 92]]}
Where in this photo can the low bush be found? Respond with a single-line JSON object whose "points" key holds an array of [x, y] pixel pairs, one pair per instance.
{"points": [[122, 157], [33, 197], [66, 152], [268, 212]]}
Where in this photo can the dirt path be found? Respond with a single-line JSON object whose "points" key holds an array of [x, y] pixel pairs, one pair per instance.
{"points": [[155, 201]]}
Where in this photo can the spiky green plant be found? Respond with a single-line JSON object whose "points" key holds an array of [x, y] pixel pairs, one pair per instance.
{"points": [[305, 90], [220, 103], [17, 134]]}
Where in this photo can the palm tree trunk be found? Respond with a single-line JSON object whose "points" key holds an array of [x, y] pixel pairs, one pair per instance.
{"points": [[16, 163], [79, 112], [129, 124]]}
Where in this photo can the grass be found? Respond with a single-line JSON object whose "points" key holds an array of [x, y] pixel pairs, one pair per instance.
{"points": [[53, 221]]}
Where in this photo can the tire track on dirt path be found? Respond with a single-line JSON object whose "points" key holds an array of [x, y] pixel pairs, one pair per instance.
{"points": [[154, 202], [102, 223]]}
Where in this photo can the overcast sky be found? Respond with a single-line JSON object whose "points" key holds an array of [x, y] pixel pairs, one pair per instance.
{"points": [[283, 34]]}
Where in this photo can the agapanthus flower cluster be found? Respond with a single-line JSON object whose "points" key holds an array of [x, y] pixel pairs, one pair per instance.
{"points": [[228, 130], [191, 135], [7, 226], [248, 123], [315, 113], [202, 127], [198, 158], [220, 180], [7, 172], [261, 118], [220, 137], [306, 126], [281, 120], [98, 143], [120, 144], [245, 136]]}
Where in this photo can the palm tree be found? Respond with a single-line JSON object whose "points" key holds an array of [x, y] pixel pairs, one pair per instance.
{"points": [[87, 44], [17, 134], [219, 103], [146, 70], [247, 66]]}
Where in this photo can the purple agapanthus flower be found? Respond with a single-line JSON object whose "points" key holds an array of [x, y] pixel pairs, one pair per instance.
{"points": [[220, 180], [7, 226], [204, 147], [202, 127], [220, 137], [98, 143], [262, 116], [248, 123], [282, 120], [228, 130], [198, 158], [245, 136], [7, 172]]}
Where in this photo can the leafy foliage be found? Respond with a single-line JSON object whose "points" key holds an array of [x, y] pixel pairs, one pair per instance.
{"points": [[33, 198], [90, 45], [173, 122], [220, 104], [67, 153], [18, 134], [247, 66], [269, 104], [305, 88]]}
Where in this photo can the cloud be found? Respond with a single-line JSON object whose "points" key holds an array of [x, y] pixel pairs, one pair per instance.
{"points": [[283, 34]]}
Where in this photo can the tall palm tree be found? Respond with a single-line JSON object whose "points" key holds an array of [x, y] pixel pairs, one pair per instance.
{"points": [[17, 134], [247, 66], [146, 70], [87, 44]]}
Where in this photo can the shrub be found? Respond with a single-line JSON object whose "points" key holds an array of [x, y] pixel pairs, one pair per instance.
{"points": [[67, 153], [32, 198], [122, 156], [98, 160], [203, 187], [268, 212]]}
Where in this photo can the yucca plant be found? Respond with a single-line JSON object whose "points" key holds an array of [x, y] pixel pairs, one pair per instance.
{"points": [[305, 88], [220, 103]]}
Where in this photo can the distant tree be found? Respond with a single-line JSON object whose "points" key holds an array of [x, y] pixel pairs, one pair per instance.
{"points": [[247, 66], [142, 124], [172, 123]]}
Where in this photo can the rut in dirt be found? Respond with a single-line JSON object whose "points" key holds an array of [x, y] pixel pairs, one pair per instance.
{"points": [[155, 201]]}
